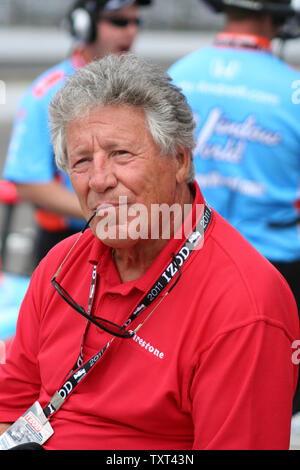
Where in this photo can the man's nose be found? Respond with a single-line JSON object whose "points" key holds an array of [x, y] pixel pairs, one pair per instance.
{"points": [[102, 175]]}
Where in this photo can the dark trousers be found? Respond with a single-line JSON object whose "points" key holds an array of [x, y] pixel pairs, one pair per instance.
{"points": [[291, 272]]}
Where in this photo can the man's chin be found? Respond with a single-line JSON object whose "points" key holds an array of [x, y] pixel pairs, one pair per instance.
{"points": [[119, 243], [122, 51], [113, 235]]}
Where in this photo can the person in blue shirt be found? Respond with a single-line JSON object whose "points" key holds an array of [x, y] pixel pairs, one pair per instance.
{"points": [[100, 27], [246, 106]]}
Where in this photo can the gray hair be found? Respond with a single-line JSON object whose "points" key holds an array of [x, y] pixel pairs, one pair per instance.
{"points": [[127, 80]]}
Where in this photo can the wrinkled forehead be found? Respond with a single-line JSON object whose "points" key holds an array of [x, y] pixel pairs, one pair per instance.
{"points": [[110, 125]]}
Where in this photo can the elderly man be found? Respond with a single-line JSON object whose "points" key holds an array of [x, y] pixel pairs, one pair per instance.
{"points": [[134, 341]]}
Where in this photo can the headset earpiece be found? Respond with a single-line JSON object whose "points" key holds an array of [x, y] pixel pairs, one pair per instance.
{"points": [[82, 25], [83, 19]]}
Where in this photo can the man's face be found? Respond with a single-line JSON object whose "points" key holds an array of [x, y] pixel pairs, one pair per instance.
{"points": [[114, 160], [114, 39]]}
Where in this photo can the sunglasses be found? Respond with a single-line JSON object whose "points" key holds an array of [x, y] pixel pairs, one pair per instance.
{"points": [[122, 22], [106, 325]]}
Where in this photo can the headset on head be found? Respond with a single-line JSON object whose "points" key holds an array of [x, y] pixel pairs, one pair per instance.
{"points": [[283, 11], [84, 16]]}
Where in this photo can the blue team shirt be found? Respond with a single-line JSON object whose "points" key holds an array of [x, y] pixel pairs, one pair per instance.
{"points": [[30, 157], [247, 155]]}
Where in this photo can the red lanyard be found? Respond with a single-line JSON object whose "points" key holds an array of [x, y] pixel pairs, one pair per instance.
{"points": [[243, 41]]}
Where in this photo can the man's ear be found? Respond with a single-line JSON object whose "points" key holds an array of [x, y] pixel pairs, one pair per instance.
{"points": [[183, 164]]}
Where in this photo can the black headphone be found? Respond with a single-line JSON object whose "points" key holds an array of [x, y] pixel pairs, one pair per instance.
{"points": [[84, 16], [82, 19]]}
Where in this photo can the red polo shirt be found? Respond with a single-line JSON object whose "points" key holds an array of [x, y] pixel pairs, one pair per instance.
{"points": [[211, 368]]}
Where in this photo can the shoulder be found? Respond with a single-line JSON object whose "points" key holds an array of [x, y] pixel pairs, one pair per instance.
{"points": [[284, 74], [48, 83], [190, 60], [244, 287], [34, 102], [247, 264], [285, 66]]}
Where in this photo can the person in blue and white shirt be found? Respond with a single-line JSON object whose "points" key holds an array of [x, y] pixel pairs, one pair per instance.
{"points": [[246, 106], [100, 27]]}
